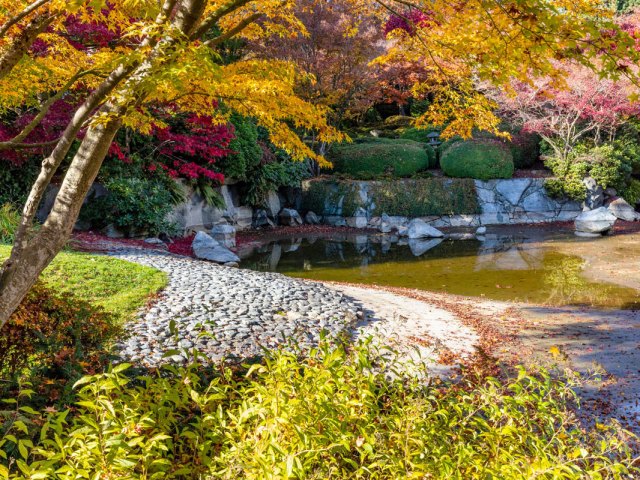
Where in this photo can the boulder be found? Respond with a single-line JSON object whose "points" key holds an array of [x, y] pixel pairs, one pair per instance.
{"points": [[261, 219], [224, 234], [207, 248], [375, 222], [595, 194], [311, 218], [290, 217], [610, 192], [385, 227], [273, 204], [403, 231], [481, 231], [359, 219], [599, 220], [419, 229], [623, 211], [357, 222]]}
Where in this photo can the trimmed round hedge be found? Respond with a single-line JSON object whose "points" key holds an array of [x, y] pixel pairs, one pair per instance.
{"points": [[368, 158], [481, 159]]}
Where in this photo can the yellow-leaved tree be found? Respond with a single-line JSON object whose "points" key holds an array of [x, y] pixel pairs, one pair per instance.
{"points": [[164, 52]]}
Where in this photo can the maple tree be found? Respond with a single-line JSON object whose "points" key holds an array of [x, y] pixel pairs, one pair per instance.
{"points": [[564, 116], [146, 54]]}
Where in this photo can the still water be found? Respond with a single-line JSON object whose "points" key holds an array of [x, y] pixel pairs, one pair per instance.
{"points": [[504, 267]]}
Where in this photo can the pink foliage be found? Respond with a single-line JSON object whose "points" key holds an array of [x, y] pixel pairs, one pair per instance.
{"points": [[588, 105], [408, 21]]}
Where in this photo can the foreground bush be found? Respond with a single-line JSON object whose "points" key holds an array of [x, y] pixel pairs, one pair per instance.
{"points": [[480, 159], [369, 158], [328, 416]]}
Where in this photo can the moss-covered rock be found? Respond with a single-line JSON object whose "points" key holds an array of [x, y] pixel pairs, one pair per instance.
{"points": [[481, 159]]}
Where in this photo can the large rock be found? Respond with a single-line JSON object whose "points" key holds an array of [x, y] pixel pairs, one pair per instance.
{"points": [[290, 217], [311, 218], [595, 194], [622, 210], [273, 204], [599, 220], [419, 229], [359, 219], [224, 234], [261, 219], [207, 248]]}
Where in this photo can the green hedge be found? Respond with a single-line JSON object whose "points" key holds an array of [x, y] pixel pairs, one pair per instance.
{"points": [[423, 197], [369, 158], [481, 159]]}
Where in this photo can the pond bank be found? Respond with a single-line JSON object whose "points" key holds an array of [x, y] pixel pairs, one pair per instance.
{"points": [[585, 340]]}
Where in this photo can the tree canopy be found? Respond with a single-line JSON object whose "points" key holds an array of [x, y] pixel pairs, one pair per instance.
{"points": [[117, 62]]}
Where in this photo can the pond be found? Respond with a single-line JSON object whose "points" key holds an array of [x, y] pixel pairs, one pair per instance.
{"points": [[533, 265]]}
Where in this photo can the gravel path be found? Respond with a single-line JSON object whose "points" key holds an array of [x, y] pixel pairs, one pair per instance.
{"points": [[420, 333], [228, 312]]}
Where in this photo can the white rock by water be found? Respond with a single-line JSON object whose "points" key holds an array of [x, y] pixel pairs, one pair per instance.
{"points": [[420, 229], [622, 210], [599, 220], [207, 248]]}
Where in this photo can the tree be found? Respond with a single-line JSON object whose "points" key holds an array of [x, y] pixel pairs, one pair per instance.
{"points": [[564, 116], [165, 53], [161, 58], [334, 55]]}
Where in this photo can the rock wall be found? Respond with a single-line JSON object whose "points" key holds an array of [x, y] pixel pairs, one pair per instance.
{"points": [[500, 202]]}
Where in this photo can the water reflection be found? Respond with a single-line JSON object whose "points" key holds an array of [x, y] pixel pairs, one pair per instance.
{"points": [[501, 267]]}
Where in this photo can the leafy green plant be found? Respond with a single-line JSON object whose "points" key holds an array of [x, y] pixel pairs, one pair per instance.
{"points": [[247, 152], [331, 414], [631, 193], [608, 164], [423, 197], [369, 158], [481, 159], [135, 205], [9, 221], [16, 181]]}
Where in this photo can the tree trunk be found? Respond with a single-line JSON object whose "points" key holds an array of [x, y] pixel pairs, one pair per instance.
{"points": [[31, 255], [22, 269]]}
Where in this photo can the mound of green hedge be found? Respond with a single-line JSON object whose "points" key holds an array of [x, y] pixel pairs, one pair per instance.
{"points": [[371, 157], [481, 159]]}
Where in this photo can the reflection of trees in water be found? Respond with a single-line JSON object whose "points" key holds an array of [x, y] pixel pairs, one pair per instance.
{"points": [[567, 285]]}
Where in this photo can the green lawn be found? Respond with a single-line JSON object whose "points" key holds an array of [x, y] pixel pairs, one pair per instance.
{"points": [[117, 286]]}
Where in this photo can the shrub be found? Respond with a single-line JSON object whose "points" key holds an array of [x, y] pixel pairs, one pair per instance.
{"points": [[631, 193], [398, 121], [135, 205], [607, 164], [9, 221], [371, 158], [332, 414], [423, 197], [54, 336], [525, 148], [478, 159], [247, 152], [16, 181]]}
